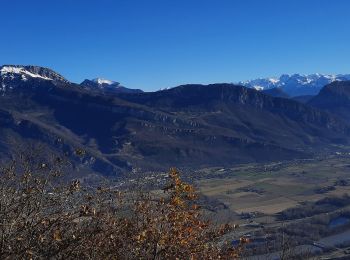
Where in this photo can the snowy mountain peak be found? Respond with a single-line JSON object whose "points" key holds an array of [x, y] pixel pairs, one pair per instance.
{"points": [[102, 81], [10, 72], [295, 84], [108, 86], [12, 76]]}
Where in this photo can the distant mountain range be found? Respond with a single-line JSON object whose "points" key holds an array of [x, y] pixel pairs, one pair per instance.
{"points": [[296, 84], [189, 126]]}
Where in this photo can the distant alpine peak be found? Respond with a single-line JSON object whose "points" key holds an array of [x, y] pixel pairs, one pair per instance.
{"points": [[105, 85], [11, 72], [102, 81], [296, 84]]}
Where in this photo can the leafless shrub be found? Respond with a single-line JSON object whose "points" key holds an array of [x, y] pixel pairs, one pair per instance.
{"points": [[42, 218]]}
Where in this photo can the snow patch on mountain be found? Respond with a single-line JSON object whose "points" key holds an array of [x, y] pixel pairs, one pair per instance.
{"points": [[107, 86], [12, 76], [101, 81], [8, 71]]}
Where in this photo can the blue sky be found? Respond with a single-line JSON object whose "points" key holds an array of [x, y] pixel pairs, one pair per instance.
{"points": [[152, 44]]}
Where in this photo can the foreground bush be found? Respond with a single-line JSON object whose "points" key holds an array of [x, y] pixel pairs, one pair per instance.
{"points": [[41, 219]]}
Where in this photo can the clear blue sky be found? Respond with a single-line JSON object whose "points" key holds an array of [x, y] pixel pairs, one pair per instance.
{"points": [[151, 44]]}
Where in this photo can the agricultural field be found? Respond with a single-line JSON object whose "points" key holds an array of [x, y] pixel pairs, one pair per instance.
{"points": [[271, 188], [281, 197]]}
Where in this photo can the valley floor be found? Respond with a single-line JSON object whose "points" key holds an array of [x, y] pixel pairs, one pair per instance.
{"points": [[284, 199]]}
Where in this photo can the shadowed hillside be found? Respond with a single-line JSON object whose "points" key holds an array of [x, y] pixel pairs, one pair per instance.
{"points": [[191, 125]]}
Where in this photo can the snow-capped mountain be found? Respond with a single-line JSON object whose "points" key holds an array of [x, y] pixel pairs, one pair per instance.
{"points": [[296, 84], [100, 83], [106, 85], [13, 75], [25, 72]]}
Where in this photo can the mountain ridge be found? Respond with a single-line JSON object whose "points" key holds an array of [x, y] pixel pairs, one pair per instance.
{"points": [[334, 98], [190, 126], [107, 86], [296, 84]]}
